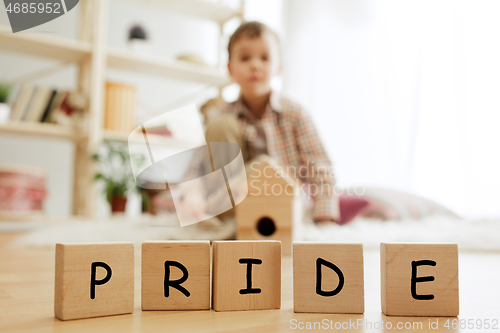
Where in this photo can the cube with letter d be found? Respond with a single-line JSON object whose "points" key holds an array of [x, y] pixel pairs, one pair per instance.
{"points": [[419, 279], [328, 278], [93, 280]]}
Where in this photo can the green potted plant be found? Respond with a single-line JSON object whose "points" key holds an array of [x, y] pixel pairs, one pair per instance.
{"points": [[115, 171], [4, 107]]}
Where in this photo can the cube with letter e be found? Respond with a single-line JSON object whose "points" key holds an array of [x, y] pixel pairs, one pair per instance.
{"points": [[328, 278], [93, 280], [419, 279]]}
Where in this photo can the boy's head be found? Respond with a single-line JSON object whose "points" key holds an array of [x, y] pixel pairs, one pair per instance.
{"points": [[253, 58]]}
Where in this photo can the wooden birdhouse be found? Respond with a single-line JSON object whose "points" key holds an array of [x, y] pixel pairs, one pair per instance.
{"points": [[273, 209]]}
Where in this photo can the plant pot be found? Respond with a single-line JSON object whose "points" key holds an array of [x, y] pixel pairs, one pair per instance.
{"points": [[4, 113], [118, 204], [142, 46]]}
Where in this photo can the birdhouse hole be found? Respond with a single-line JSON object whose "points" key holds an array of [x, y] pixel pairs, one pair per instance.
{"points": [[266, 226]]}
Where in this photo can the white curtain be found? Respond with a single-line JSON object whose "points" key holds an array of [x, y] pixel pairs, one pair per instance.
{"points": [[405, 94]]}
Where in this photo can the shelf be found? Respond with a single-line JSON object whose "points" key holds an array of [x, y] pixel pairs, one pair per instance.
{"points": [[41, 129], [175, 69], [43, 46], [153, 140], [17, 217], [204, 9]]}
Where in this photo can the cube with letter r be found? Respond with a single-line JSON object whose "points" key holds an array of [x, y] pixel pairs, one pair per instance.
{"points": [[93, 280], [175, 275], [419, 279]]}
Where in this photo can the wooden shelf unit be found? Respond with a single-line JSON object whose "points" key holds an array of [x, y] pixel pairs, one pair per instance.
{"points": [[93, 57], [42, 130], [39, 45], [204, 9], [153, 139], [171, 68]]}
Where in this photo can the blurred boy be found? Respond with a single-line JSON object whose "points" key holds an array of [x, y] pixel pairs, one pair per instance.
{"points": [[263, 122]]}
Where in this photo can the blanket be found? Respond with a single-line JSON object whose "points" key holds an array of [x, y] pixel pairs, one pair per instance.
{"points": [[469, 234]]}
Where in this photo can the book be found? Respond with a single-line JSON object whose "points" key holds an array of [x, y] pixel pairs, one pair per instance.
{"points": [[38, 104], [46, 112], [21, 103], [55, 106]]}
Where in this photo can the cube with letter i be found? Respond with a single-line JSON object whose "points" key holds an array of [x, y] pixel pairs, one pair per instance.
{"points": [[419, 279], [94, 280], [176, 275], [246, 275], [328, 278]]}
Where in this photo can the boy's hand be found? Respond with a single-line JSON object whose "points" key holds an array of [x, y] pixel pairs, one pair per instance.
{"points": [[324, 222], [193, 206]]}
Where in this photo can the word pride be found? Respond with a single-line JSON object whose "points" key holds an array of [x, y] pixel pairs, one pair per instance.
{"points": [[95, 280]]}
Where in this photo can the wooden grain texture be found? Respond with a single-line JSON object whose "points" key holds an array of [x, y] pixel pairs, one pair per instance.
{"points": [[73, 280], [396, 279], [348, 258], [194, 256], [230, 276]]}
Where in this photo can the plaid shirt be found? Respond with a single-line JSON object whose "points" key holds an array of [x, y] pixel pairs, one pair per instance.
{"points": [[287, 133]]}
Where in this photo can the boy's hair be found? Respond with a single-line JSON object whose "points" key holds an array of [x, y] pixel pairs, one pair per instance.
{"points": [[252, 29]]}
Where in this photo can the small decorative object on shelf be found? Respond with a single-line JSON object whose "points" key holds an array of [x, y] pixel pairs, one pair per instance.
{"points": [[138, 39], [4, 107], [192, 58], [67, 109], [115, 171], [120, 107], [22, 192]]}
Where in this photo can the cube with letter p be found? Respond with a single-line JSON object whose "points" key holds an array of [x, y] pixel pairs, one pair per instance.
{"points": [[419, 279], [94, 280]]}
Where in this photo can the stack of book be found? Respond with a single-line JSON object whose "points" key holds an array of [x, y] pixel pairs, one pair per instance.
{"points": [[120, 107], [22, 191], [46, 105]]}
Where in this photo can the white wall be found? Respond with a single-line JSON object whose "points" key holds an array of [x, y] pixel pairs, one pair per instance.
{"points": [[404, 93]]}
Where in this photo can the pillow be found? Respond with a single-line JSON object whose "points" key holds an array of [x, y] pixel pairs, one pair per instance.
{"points": [[386, 204], [350, 206]]}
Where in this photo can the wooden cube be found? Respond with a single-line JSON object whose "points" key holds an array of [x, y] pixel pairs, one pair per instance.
{"points": [[273, 209], [419, 279], [328, 278], [246, 275], [283, 235], [94, 280], [176, 275]]}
